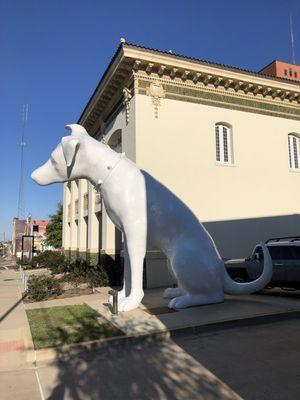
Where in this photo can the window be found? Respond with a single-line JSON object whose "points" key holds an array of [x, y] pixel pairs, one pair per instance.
{"points": [[285, 72], [115, 141], [296, 252], [280, 252], [293, 151], [223, 144], [291, 73], [295, 74]]}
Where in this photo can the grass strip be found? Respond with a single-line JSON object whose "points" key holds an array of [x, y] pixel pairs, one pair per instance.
{"points": [[57, 326]]}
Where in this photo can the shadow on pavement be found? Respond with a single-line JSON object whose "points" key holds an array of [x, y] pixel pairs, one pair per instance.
{"points": [[11, 309], [154, 369], [277, 292]]}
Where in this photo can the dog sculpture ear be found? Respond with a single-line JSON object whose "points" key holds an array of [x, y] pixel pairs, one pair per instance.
{"points": [[76, 130], [70, 146]]}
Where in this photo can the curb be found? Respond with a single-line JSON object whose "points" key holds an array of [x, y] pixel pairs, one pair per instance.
{"points": [[62, 353], [238, 322]]}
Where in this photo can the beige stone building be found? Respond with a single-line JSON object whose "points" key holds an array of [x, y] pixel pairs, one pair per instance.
{"points": [[224, 140]]}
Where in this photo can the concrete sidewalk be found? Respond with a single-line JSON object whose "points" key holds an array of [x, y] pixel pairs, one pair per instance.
{"points": [[15, 336], [154, 316], [17, 373]]}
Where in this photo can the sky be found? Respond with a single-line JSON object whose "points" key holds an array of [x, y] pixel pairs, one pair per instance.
{"points": [[53, 53]]}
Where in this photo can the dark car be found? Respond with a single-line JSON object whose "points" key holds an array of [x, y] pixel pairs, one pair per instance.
{"points": [[285, 254]]}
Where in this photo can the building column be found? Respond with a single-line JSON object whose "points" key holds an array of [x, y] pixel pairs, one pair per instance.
{"points": [[73, 224], [108, 229], [66, 244], [93, 228], [82, 219]]}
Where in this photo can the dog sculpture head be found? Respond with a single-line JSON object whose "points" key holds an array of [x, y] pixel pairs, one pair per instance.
{"points": [[61, 166]]}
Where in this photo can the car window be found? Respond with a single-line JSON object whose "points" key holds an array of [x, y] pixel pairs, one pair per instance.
{"points": [[281, 252], [296, 252]]}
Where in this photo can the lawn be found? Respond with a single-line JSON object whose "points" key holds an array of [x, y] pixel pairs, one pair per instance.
{"points": [[56, 326]]}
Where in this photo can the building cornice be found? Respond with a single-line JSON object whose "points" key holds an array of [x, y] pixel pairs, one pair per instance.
{"points": [[131, 62]]}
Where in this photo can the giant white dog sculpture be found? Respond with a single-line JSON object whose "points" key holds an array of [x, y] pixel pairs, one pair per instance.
{"points": [[149, 215]]}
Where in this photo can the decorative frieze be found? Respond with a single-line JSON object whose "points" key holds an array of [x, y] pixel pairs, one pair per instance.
{"points": [[219, 99], [217, 81]]}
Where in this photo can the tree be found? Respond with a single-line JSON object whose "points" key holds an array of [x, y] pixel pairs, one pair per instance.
{"points": [[54, 228]]}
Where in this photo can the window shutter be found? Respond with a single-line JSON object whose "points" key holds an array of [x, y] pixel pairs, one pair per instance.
{"points": [[218, 157]]}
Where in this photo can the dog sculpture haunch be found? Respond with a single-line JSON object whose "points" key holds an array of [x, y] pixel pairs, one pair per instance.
{"points": [[150, 216]]}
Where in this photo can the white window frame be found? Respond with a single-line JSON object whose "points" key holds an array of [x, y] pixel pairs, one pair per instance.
{"points": [[223, 141], [293, 143]]}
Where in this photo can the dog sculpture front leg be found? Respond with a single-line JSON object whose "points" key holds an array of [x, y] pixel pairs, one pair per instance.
{"points": [[126, 281], [135, 250]]}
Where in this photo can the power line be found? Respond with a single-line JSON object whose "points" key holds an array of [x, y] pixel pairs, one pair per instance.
{"points": [[21, 205]]}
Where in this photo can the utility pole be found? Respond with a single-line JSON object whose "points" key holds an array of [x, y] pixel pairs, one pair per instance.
{"points": [[292, 40], [21, 207]]}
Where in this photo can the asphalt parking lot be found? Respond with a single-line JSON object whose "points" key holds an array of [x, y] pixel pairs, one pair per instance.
{"points": [[258, 361]]}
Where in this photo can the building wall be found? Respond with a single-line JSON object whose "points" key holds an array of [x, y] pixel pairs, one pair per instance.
{"points": [[282, 69], [270, 69], [256, 197], [289, 71]]}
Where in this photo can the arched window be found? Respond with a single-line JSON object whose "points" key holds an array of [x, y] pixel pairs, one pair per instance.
{"points": [[293, 150], [115, 141], [223, 143]]}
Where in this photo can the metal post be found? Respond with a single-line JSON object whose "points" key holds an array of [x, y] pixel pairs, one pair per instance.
{"points": [[114, 294]]}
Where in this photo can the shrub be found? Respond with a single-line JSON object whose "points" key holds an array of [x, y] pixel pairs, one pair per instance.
{"points": [[114, 269], [82, 272], [97, 276], [42, 287], [51, 259]]}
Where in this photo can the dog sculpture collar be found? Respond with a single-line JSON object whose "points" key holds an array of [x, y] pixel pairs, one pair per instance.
{"points": [[110, 169]]}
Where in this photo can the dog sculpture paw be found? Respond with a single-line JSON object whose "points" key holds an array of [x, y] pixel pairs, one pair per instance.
{"points": [[189, 300], [170, 293], [129, 303]]}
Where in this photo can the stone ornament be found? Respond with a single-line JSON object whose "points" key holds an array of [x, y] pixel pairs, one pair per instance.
{"points": [[157, 92], [150, 217], [126, 101]]}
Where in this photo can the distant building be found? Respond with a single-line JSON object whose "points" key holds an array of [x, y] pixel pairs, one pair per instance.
{"points": [[224, 140], [39, 233], [20, 228], [281, 69], [36, 228]]}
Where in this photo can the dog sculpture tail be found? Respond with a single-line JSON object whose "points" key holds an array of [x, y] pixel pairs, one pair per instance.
{"points": [[235, 288]]}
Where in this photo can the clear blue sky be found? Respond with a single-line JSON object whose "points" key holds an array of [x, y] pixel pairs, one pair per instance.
{"points": [[53, 53]]}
